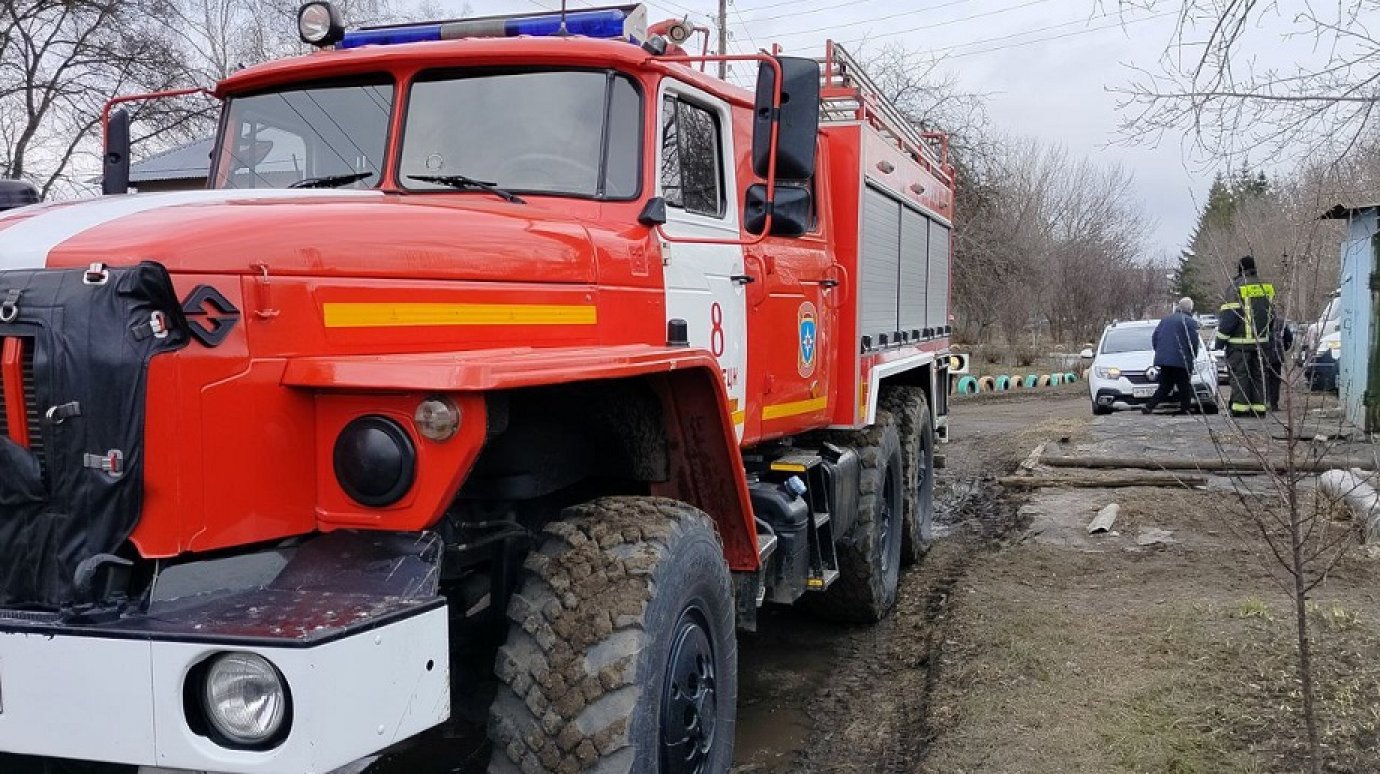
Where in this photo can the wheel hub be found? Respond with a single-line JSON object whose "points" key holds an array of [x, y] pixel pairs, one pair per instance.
{"points": [[689, 698]]}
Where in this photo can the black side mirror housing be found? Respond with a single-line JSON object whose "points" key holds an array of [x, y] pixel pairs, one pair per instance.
{"points": [[791, 213], [653, 212], [798, 118], [115, 176]]}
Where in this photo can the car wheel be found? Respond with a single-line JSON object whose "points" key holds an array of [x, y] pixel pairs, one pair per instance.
{"points": [[1101, 411]]}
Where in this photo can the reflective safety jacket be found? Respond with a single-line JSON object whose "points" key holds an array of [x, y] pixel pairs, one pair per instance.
{"points": [[1247, 316]]}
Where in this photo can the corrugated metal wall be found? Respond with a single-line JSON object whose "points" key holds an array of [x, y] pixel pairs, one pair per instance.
{"points": [[1357, 315], [905, 269]]}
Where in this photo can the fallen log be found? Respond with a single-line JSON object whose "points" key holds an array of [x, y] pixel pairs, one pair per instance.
{"points": [[1210, 465], [1170, 480]]}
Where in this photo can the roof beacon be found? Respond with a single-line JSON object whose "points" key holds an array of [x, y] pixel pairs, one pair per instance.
{"points": [[624, 22]]}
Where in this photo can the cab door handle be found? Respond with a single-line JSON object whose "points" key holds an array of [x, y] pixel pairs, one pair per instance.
{"points": [[742, 279]]}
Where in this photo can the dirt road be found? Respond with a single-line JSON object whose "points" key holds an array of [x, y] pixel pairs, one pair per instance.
{"points": [[824, 698]]}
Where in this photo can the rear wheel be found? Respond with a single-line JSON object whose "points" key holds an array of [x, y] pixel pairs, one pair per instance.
{"points": [[621, 654], [912, 413], [870, 554]]}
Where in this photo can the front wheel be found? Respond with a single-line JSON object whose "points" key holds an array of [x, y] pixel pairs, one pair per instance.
{"points": [[621, 654], [1101, 411]]}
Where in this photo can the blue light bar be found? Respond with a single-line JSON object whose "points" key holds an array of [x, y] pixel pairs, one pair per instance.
{"points": [[624, 22]]}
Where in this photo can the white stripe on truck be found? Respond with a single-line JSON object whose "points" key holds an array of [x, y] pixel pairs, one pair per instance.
{"points": [[26, 245]]}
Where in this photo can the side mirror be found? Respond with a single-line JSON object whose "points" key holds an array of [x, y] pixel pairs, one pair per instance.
{"points": [[1086, 354], [797, 118], [115, 179], [790, 213]]}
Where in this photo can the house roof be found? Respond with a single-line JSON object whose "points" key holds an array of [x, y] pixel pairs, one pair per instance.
{"points": [[185, 162], [1344, 210]]}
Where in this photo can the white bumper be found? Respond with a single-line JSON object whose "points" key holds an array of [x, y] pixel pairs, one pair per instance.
{"points": [[120, 700]]}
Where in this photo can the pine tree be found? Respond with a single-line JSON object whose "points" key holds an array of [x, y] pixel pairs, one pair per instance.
{"points": [[1199, 273]]}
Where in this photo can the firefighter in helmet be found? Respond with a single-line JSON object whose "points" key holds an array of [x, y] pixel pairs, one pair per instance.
{"points": [[1245, 326]]}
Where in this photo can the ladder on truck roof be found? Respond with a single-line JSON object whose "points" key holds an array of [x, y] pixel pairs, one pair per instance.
{"points": [[848, 94]]}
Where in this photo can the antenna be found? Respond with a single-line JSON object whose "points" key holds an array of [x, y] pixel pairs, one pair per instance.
{"points": [[563, 31]]}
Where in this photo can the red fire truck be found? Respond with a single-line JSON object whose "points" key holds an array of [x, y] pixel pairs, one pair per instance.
{"points": [[520, 342]]}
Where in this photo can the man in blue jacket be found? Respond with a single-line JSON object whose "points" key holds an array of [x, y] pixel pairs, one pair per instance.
{"points": [[1176, 343]]}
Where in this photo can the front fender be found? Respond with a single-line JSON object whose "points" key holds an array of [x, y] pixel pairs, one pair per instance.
{"points": [[706, 463]]}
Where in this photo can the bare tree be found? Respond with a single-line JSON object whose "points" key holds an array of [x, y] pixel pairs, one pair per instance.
{"points": [[1209, 80], [59, 61]]}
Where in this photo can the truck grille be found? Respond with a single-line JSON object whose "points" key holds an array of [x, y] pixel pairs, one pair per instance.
{"points": [[20, 419]]}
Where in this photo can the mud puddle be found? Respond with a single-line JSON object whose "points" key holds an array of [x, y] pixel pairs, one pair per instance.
{"points": [[819, 697]]}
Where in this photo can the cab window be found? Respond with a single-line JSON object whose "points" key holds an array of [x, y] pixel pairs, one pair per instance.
{"points": [[691, 161]]}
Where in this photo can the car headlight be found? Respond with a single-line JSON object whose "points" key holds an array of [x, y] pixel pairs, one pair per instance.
{"points": [[1104, 372], [245, 698], [375, 461]]}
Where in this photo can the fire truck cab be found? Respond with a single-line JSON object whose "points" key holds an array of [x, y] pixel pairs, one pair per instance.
{"points": [[505, 369]]}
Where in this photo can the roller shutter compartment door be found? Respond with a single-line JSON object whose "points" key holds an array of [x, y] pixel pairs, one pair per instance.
{"points": [[937, 308], [881, 259], [914, 270]]}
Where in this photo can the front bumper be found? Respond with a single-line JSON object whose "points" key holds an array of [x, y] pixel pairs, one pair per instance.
{"points": [[364, 669], [1120, 393]]}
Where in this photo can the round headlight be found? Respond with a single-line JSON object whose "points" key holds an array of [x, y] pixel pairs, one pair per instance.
{"points": [[319, 24], [437, 419], [245, 698], [375, 461]]}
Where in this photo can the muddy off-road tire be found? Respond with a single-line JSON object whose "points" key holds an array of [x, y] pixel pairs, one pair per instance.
{"points": [[621, 653], [870, 554], [912, 413]]}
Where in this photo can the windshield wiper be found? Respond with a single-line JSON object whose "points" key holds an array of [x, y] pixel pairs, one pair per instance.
{"points": [[330, 181], [464, 183]]}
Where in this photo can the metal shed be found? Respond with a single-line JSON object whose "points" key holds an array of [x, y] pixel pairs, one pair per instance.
{"points": [[1359, 370], [177, 169]]}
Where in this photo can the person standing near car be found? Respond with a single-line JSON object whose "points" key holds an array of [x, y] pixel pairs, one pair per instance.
{"points": [[1246, 325], [1176, 342]]}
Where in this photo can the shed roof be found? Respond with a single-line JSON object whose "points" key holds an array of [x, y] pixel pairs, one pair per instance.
{"points": [[1344, 210], [185, 162]]}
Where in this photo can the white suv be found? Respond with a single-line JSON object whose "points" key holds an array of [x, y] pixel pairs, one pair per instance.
{"points": [[1123, 371]]}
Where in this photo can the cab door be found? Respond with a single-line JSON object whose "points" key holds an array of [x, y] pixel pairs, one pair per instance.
{"points": [[704, 282]]}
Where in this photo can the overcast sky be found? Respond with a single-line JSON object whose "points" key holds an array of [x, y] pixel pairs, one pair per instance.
{"points": [[1046, 66]]}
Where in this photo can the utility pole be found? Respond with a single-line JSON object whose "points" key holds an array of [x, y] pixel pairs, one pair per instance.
{"points": [[723, 38]]}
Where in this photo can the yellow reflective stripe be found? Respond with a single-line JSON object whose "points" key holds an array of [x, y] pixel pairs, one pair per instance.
{"points": [[1250, 407], [779, 410], [1229, 306], [396, 315], [1242, 340], [1264, 290], [1222, 335]]}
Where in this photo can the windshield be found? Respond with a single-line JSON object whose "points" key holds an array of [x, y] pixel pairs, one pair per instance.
{"points": [[563, 132], [282, 138], [1127, 340]]}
